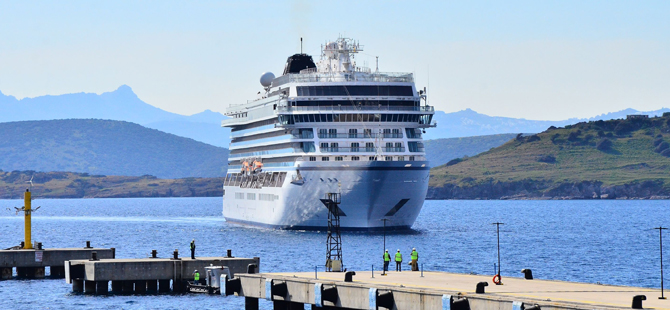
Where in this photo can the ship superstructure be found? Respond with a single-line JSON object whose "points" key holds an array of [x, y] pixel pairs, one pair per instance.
{"points": [[328, 127]]}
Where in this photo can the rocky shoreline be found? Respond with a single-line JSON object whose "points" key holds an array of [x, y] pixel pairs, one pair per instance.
{"points": [[547, 190]]}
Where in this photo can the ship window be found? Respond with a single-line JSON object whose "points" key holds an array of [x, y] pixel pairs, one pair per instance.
{"points": [[354, 147], [369, 147], [355, 158], [251, 196], [308, 147], [324, 145], [401, 158], [411, 158], [388, 158], [312, 158], [367, 133], [332, 133], [353, 133], [239, 195], [372, 158], [325, 158], [358, 90], [338, 158]]}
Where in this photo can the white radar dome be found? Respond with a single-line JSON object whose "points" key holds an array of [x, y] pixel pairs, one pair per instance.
{"points": [[266, 79]]}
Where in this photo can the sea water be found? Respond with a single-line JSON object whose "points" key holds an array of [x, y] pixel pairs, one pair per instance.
{"points": [[610, 242]]}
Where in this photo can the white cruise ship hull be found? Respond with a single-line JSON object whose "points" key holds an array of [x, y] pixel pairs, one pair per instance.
{"points": [[370, 192]]}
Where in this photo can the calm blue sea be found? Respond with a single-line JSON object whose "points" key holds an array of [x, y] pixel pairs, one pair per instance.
{"points": [[610, 242]]}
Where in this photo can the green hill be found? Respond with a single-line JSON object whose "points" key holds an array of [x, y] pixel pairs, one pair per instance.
{"points": [[601, 159], [440, 151], [105, 147], [83, 185]]}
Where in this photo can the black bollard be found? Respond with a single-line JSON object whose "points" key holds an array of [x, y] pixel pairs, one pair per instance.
{"points": [[88, 244], [480, 287], [527, 274], [175, 254], [637, 301], [229, 253], [94, 255], [349, 276], [154, 253]]}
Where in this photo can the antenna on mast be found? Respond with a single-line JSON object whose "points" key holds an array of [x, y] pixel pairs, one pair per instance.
{"points": [[300, 45], [377, 66]]}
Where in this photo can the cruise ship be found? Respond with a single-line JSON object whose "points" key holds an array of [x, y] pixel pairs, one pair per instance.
{"points": [[328, 127]]}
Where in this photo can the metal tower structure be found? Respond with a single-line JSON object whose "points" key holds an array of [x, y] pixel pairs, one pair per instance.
{"points": [[334, 239]]}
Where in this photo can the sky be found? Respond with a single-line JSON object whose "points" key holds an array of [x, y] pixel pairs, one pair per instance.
{"points": [[544, 60]]}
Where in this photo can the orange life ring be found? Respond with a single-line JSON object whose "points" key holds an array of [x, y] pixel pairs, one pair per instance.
{"points": [[496, 279]]}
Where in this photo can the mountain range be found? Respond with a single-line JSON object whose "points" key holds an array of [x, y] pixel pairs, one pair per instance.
{"points": [[121, 104], [124, 105], [467, 123]]}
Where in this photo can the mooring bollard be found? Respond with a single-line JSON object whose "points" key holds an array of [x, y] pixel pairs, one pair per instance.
{"points": [[88, 244], [94, 255], [229, 253], [154, 253], [175, 254], [39, 245]]}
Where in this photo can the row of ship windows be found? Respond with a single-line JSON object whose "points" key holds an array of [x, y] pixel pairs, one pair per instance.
{"points": [[307, 133], [370, 158], [308, 147], [252, 196]]}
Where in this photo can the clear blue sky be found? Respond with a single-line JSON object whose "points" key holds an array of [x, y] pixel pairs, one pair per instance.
{"points": [[530, 59]]}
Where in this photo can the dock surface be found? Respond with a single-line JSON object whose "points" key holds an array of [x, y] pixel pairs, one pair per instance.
{"points": [[411, 291]]}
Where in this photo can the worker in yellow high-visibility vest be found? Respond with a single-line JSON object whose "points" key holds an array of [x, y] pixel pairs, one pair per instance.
{"points": [[398, 261], [196, 277], [415, 260], [387, 260]]}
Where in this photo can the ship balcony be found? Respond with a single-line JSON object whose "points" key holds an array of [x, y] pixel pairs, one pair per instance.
{"points": [[361, 149], [360, 135]]}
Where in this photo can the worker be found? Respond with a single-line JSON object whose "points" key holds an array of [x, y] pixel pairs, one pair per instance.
{"points": [[398, 261], [196, 277], [193, 249], [415, 260], [387, 260]]}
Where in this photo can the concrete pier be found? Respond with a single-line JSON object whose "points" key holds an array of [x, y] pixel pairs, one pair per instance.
{"points": [[435, 290], [30, 263], [145, 275]]}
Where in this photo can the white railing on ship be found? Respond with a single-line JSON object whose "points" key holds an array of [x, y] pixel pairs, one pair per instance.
{"points": [[344, 77], [355, 108]]}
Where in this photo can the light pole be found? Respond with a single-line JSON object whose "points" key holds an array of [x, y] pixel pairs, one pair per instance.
{"points": [[498, 233], [384, 249], [660, 238]]}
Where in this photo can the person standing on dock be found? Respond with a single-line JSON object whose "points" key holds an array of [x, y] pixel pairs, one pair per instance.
{"points": [[387, 260], [398, 261], [193, 249], [415, 260]]}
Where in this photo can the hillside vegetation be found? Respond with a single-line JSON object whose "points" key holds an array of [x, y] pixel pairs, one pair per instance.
{"points": [[83, 185], [106, 147], [598, 159], [440, 151]]}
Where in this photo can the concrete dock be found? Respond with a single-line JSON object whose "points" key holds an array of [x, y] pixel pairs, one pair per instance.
{"points": [[31, 263], [435, 290], [146, 275]]}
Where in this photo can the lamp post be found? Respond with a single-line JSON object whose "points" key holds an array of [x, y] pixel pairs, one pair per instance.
{"points": [[384, 249], [498, 233], [660, 239]]}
